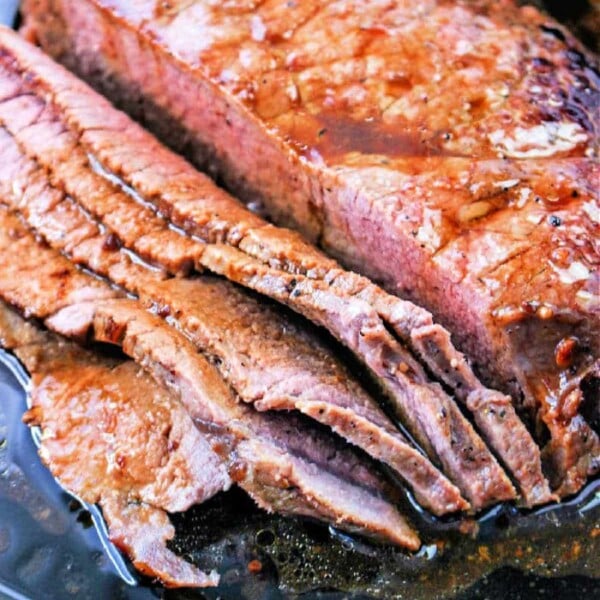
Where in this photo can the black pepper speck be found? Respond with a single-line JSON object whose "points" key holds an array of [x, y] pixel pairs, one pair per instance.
{"points": [[554, 221]]}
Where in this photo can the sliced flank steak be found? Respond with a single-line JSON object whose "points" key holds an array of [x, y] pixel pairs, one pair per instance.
{"points": [[271, 359], [447, 149], [280, 461], [274, 262]]}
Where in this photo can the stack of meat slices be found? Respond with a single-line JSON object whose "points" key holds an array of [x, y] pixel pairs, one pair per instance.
{"points": [[445, 148], [107, 236]]}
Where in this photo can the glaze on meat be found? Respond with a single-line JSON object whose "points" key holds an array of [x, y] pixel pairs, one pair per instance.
{"points": [[447, 149], [100, 160], [115, 438]]}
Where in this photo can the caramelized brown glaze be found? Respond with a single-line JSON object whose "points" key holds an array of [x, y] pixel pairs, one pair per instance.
{"points": [[391, 78], [447, 148], [111, 436]]}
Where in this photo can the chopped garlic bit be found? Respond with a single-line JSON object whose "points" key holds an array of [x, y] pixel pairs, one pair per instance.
{"points": [[292, 91], [475, 210], [543, 140], [506, 184], [577, 271], [524, 194], [428, 233]]}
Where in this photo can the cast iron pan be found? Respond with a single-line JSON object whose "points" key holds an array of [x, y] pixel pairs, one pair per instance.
{"points": [[53, 546]]}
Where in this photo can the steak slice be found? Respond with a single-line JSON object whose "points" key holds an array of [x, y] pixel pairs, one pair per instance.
{"points": [[478, 204], [341, 301], [311, 477], [283, 464], [276, 365], [113, 437]]}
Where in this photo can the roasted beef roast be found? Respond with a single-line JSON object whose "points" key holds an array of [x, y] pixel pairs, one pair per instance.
{"points": [[446, 149], [81, 177]]}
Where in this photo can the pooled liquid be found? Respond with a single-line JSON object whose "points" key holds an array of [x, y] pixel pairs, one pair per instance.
{"points": [[49, 548]]}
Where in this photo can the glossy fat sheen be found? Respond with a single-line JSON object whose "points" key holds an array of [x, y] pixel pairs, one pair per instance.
{"points": [[281, 463], [446, 148], [113, 437], [101, 159]]}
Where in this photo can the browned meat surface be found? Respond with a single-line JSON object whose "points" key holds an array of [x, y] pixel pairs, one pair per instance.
{"points": [[276, 365], [444, 148], [272, 261], [283, 464], [315, 478], [268, 360], [113, 437]]}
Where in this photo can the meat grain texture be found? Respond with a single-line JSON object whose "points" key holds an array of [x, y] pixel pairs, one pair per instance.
{"points": [[446, 149], [115, 438], [77, 148], [284, 465]]}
